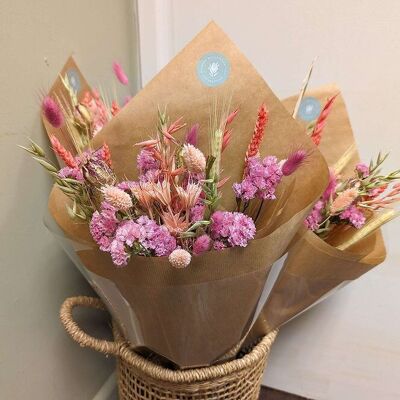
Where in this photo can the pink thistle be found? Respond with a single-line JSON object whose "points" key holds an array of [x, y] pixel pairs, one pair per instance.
{"points": [[258, 133], [52, 112], [192, 134], [293, 162], [202, 244], [63, 153], [321, 121], [120, 73]]}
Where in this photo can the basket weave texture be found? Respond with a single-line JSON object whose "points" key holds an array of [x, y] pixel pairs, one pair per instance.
{"points": [[141, 379]]}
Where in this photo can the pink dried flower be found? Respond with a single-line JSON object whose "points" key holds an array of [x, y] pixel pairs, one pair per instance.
{"points": [[201, 244], [344, 200], [293, 162], [73, 173], [363, 170], [261, 179], [192, 135], [330, 189], [118, 253], [155, 238], [193, 158], [354, 215], [97, 109], [120, 73], [117, 197], [197, 212], [103, 226], [146, 161], [128, 232], [52, 111], [219, 245], [233, 228], [315, 217], [180, 258]]}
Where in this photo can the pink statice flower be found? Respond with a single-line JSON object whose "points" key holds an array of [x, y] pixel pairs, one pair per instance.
{"points": [[315, 217], [73, 173], [202, 244], [354, 215], [197, 212], [261, 179], [119, 255], [128, 232], [126, 186], [155, 238], [219, 245], [146, 161], [232, 228], [103, 226], [363, 170]]}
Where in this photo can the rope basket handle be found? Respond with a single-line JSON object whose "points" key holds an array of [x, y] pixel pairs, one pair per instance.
{"points": [[77, 334]]}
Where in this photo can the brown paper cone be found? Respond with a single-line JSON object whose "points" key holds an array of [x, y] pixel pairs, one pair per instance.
{"points": [[194, 316], [314, 269]]}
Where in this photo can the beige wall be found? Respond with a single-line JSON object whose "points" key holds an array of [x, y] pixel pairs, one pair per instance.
{"points": [[37, 359]]}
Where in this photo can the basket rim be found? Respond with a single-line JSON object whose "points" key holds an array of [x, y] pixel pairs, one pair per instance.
{"points": [[155, 371]]}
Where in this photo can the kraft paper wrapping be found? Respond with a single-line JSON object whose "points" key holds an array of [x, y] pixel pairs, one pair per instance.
{"points": [[192, 317], [315, 269]]}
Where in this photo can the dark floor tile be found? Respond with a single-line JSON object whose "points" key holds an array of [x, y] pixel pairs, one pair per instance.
{"points": [[271, 394]]}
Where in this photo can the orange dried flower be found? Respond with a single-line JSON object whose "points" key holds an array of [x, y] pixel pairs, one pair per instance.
{"points": [[321, 121], [63, 153], [258, 133], [344, 200], [106, 154]]}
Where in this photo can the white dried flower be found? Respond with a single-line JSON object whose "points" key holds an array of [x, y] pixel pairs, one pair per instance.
{"points": [[193, 158], [180, 258], [117, 197]]}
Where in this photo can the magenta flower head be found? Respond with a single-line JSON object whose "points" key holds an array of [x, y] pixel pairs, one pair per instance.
{"points": [[52, 111], [192, 134], [202, 244], [330, 189], [293, 162], [120, 73], [363, 170]]}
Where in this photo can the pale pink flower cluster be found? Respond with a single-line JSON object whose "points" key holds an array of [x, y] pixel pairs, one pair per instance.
{"points": [[231, 229], [363, 170], [315, 217], [354, 215], [121, 239], [261, 179]]}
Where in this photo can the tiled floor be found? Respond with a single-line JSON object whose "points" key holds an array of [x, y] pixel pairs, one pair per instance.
{"points": [[271, 394]]}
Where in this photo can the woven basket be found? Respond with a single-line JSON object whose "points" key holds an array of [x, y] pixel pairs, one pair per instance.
{"points": [[141, 379]]}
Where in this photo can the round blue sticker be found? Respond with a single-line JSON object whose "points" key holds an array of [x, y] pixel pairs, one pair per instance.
{"points": [[213, 69], [309, 109], [74, 80]]}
